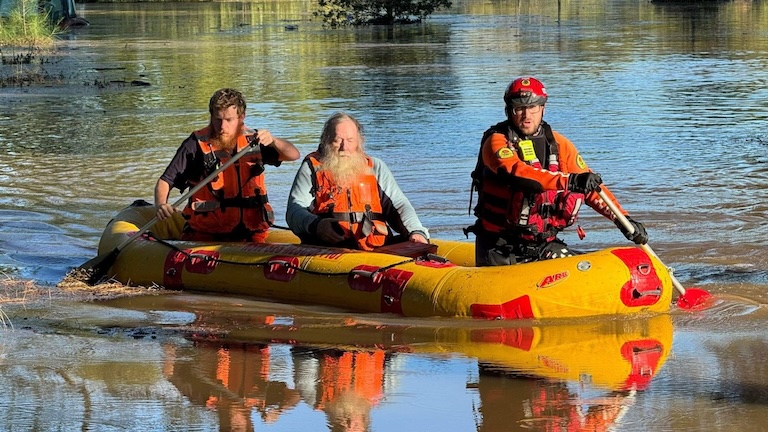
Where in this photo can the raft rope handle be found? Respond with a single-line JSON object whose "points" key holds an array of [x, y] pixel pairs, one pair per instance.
{"points": [[209, 258]]}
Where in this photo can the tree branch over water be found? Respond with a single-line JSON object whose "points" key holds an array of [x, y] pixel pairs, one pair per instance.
{"points": [[342, 13]]}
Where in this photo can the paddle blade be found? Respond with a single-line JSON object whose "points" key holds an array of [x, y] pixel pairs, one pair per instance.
{"points": [[93, 270], [693, 299]]}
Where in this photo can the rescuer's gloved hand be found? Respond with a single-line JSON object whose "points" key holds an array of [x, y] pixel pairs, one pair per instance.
{"points": [[584, 182], [638, 235], [329, 232]]}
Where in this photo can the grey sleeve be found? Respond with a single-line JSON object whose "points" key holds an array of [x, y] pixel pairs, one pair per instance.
{"points": [[300, 200], [399, 212]]}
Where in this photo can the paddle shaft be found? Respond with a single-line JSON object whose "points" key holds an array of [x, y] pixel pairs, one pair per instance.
{"points": [[631, 229], [190, 192]]}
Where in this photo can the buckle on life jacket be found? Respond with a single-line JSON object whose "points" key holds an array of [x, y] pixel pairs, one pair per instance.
{"points": [[205, 206], [269, 214]]}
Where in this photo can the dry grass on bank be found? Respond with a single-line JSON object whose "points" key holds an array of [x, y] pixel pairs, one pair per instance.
{"points": [[15, 292]]}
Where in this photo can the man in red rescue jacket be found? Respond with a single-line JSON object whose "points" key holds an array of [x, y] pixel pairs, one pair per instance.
{"points": [[531, 182], [343, 197], [234, 205]]}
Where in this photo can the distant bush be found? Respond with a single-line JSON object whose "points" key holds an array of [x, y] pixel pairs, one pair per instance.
{"points": [[26, 25], [341, 13]]}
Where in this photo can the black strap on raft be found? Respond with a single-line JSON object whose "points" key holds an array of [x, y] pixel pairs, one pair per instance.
{"points": [[267, 262]]}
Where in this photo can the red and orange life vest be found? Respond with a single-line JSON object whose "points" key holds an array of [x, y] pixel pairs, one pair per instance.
{"points": [[236, 196], [358, 208], [521, 211]]}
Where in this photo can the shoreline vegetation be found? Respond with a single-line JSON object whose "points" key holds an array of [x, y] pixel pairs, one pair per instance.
{"points": [[26, 35], [27, 26]]}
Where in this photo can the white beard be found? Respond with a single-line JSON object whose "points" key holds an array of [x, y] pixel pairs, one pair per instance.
{"points": [[344, 169]]}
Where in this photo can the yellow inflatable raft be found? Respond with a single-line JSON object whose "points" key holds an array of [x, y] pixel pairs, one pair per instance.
{"points": [[622, 280]]}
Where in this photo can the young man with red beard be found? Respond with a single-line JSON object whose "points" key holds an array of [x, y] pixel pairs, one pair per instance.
{"points": [[343, 197], [234, 205]]}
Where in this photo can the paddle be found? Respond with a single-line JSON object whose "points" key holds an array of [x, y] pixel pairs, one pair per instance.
{"points": [[690, 298], [96, 268]]}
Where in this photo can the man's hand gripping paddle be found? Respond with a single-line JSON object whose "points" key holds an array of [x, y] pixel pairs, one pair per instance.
{"points": [[691, 298], [96, 268]]}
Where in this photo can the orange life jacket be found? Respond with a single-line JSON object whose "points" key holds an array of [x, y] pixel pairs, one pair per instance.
{"points": [[358, 209], [236, 196], [361, 373], [506, 209]]}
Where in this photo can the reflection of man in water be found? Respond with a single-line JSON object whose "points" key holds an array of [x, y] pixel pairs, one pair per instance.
{"points": [[345, 385], [231, 379], [509, 402]]}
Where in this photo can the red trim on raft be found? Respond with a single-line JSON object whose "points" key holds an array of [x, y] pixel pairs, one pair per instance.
{"points": [[644, 286], [519, 308], [281, 268], [391, 281], [189, 260]]}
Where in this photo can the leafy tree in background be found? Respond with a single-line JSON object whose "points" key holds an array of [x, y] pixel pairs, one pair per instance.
{"points": [[341, 13]]}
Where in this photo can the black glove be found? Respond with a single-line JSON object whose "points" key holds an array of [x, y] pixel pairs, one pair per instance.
{"points": [[329, 232], [638, 236], [584, 182]]}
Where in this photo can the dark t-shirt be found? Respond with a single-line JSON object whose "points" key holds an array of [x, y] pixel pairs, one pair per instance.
{"points": [[186, 167]]}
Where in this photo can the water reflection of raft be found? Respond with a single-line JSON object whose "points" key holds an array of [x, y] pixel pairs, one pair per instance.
{"points": [[623, 280], [612, 354]]}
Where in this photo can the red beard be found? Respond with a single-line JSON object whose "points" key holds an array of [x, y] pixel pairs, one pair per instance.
{"points": [[225, 143]]}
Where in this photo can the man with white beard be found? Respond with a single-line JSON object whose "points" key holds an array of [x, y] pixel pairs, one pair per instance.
{"points": [[343, 197]]}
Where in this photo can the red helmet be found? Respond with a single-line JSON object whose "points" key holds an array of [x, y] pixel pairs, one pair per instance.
{"points": [[525, 91]]}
